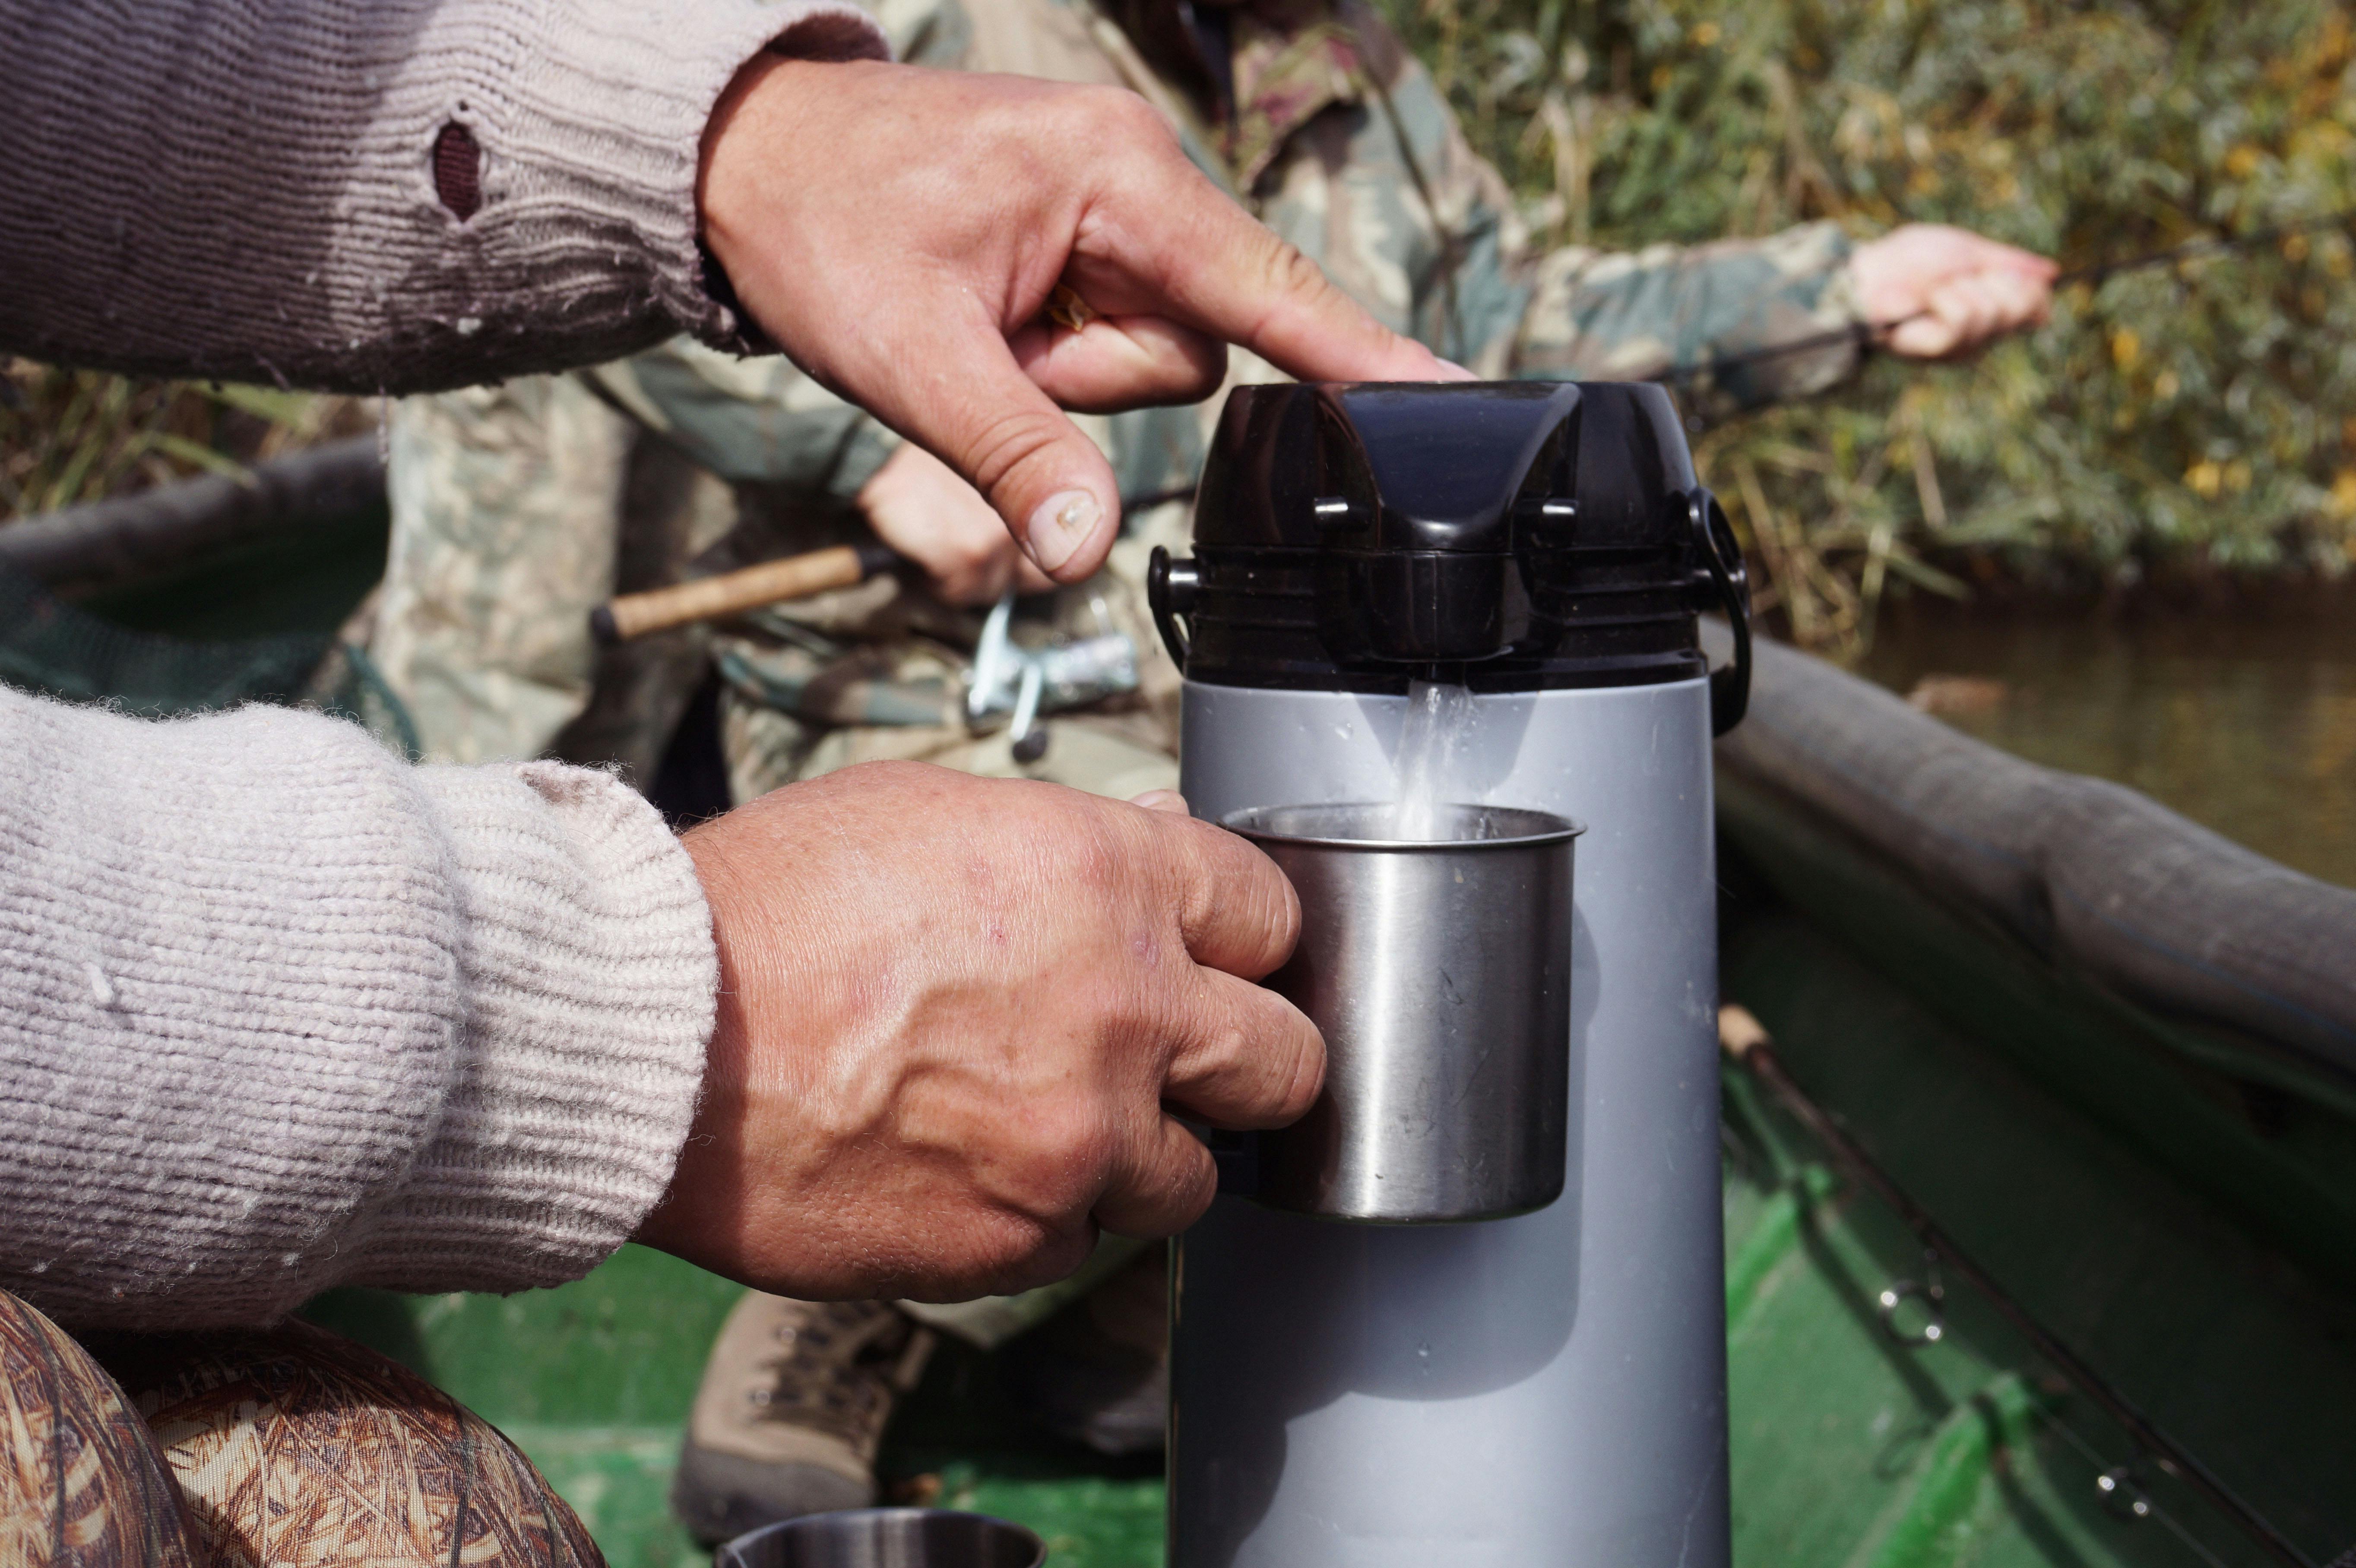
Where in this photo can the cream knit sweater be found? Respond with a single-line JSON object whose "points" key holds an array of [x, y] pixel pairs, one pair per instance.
{"points": [[277, 1010]]}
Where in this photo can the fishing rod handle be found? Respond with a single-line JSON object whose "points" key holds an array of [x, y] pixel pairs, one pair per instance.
{"points": [[632, 615]]}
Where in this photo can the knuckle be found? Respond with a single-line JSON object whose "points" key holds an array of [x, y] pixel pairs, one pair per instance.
{"points": [[1011, 439], [1284, 916], [1051, 1255], [1069, 1151], [1305, 1078], [1226, 1047], [1121, 112], [1189, 1183], [1290, 272]]}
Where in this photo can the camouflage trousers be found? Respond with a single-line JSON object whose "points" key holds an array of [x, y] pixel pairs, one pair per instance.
{"points": [[274, 1450]]}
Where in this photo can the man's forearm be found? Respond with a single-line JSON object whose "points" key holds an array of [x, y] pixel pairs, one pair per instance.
{"points": [[280, 1012], [368, 194]]}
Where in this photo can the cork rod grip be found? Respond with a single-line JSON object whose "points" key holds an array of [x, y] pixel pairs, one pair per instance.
{"points": [[771, 583]]}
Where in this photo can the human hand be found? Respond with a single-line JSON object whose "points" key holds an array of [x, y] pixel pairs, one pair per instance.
{"points": [[1950, 290], [952, 1013], [923, 510], [898, 231]]}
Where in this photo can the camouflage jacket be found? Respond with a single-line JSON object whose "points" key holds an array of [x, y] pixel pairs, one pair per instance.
{"points": [[1310, 111]]}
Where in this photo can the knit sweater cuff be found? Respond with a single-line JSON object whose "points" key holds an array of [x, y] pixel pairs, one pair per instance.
{"points": [[590, 975], [609, 119]]}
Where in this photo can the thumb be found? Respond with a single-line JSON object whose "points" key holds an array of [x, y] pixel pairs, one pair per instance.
{"points": [[1050, 483]]}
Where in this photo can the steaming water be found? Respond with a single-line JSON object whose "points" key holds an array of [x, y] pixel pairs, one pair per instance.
{"points": [[1439, 718]]}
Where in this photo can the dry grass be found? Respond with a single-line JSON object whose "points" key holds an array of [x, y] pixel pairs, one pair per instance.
{"points": [[68, 436]]}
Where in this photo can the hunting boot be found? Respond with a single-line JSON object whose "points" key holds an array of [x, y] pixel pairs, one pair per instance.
{"points": [[1099, 1371], [792, 1407]]}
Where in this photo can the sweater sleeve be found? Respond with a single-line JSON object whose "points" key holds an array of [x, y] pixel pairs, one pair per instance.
{"points": [[368, 195], [278, 1011]]}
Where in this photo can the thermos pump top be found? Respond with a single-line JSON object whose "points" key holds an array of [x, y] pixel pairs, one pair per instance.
{"points": [[1511, 536]]}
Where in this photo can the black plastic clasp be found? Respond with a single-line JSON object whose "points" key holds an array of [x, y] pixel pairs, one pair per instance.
{"points": [[1722, 555], [1170, 587]]}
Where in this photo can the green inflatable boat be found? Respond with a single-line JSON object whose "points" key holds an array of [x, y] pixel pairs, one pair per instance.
{"points": [[2040, 1139]]}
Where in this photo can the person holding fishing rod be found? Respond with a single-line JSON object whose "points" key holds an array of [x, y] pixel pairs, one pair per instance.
{"points": [[280, 1011], [519, 510]]}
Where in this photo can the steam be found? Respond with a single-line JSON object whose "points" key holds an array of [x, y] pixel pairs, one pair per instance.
{"points": [[1439, 718]]}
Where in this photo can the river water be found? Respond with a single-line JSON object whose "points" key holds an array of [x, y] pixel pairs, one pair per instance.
{"points": [[2247, 725]]}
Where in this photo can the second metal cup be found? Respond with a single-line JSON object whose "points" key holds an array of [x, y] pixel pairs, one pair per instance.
{"points": [[1440, 972], [886, 1538]]}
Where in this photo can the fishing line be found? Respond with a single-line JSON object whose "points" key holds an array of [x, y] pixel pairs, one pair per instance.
{"points": [[1867, 335]]}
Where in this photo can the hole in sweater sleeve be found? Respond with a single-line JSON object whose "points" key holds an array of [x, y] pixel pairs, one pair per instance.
{"points": [[459, 170]]}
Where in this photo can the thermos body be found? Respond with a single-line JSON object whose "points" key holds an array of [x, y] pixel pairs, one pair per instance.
{"points": [[1521, 567], [1438, 970], [1545, 1392]]}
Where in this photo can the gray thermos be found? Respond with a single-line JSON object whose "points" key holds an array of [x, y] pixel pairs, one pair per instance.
{"points": [[1543, 1391]]}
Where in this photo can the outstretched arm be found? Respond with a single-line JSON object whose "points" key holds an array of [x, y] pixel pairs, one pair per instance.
{"points": [[1714, 316]]}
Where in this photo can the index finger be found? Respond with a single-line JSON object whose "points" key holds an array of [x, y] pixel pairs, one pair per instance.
{"points": [[1236, 910], [1223, 273]]}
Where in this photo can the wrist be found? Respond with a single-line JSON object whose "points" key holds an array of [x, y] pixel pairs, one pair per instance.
{"points": [[682, 1222]]}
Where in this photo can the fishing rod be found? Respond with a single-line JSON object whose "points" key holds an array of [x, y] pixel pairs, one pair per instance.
{"points": [[1868, 334], [777, 582]]}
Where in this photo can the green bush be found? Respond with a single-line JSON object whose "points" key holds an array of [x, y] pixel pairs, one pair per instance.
{"points": [[2194, 419]]}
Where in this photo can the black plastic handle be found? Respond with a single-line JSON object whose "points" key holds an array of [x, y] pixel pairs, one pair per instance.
{"points": [[1729, 689], [1170, 589]]}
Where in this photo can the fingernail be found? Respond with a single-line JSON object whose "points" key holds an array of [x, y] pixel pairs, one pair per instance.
{"points": [[1063, 523]]}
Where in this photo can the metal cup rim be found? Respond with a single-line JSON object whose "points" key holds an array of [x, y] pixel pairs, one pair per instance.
{"points": [[728, 1555], [1243, 823]]}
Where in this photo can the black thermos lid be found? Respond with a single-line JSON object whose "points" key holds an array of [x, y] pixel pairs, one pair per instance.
{"points": [[1513, 534]]}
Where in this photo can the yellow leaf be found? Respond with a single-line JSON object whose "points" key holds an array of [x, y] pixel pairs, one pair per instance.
{"points": [[2205, 479], [1704, 34], [2126, 348], [2242, 161], [2344, 494]]}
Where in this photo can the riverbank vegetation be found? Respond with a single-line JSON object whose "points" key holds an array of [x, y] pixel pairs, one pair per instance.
{"points": [[68, 436], [2185, 420]]}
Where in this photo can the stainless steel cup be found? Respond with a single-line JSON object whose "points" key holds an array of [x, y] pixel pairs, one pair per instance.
{"points": [[1440, 973], [886, 1538]]}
